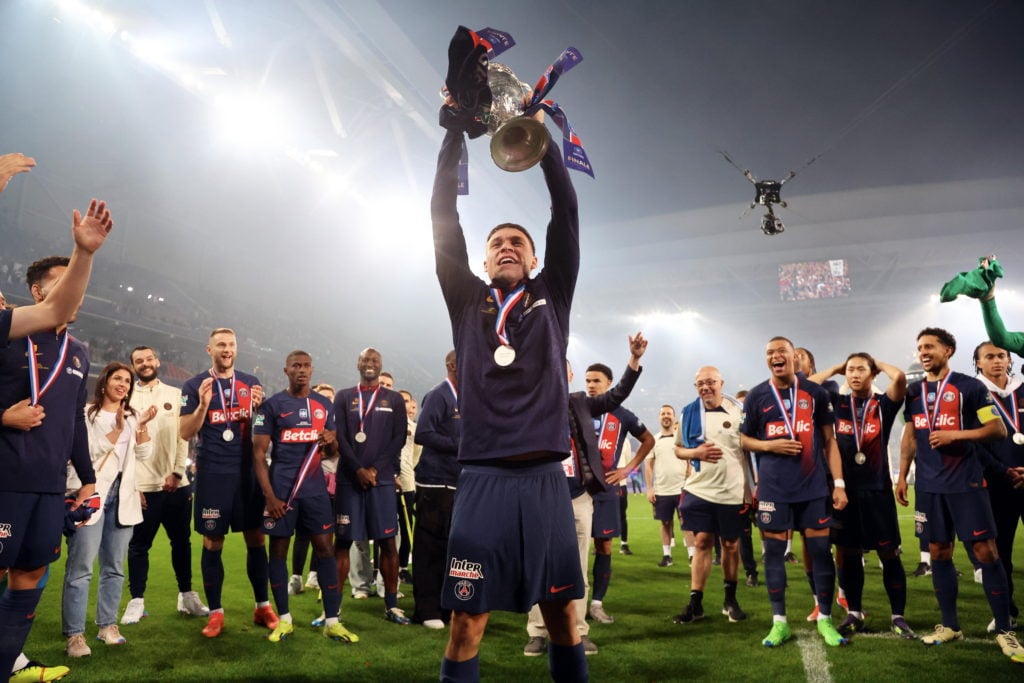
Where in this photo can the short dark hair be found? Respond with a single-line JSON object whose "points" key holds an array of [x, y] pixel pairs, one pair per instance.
{"points": [[296, 352], [666, 405], [785, 339], [872, 366], [385, 373], [514, 226], [603, 369], [131, 355], [38, 270], [944, 336], [810, 356]]}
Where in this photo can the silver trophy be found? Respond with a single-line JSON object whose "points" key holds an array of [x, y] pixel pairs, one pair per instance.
{"points": [[518, 142]]}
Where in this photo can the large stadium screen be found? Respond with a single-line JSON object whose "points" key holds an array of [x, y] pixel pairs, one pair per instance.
{"points": [[814, 280]]}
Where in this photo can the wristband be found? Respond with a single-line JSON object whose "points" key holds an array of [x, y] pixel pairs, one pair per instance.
{"points": [[839, 483], [176, 476]]}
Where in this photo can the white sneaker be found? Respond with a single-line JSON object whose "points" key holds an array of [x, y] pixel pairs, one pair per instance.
{"points": [[295, 585], [134, 612], [77, 647], [992, 625], [313, 583], [977, 575], [190, 604], [435, 624]]}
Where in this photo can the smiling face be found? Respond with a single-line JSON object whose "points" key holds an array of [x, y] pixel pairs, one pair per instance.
{"points": [[222, 349], [118, 384], [510, 257], [933, 354], [709, 387], [146, 364], [369, 365], [667, 418], [779, 356]]}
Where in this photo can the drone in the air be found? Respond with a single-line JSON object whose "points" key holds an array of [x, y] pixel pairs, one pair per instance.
{"points": [[766, 193]]}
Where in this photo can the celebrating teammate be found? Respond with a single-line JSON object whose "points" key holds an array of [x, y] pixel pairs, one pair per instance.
{"points": [[947, 414], [788, 424], [300, 425], [217, 405], [863, 423]]}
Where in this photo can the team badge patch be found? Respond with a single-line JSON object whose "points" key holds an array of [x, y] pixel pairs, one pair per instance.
{"points": [[318, 414], [464, 590], [269, 523], [949, 397], [168, 406], [343, 520], [803, 403], [5, 530], [766, 518], [211, 525]]}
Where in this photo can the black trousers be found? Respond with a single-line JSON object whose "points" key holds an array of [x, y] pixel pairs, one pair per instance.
{"points": [[430, 551], [173, 511]]}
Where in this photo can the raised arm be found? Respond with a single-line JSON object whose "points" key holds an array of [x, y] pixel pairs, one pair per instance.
{"points": [[451, 259], [897, 390], [996, 329], [65, 298], [13, 164], [562, 250]]}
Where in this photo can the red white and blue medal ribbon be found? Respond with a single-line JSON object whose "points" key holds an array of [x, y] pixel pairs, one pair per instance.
{"points": [[858, 430], [789, 419], [361, 434], [505, 354], [940, 388], [455, 393], [35, 391], [228, 435], [1012, 416], [307, 466]]}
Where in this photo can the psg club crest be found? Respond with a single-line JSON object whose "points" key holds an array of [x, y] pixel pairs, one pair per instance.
{"points": [[948, 397], [464, 590], [803, 403], [318, 414]]}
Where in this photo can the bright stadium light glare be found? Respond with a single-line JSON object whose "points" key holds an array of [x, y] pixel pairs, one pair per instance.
{"points": [[249, 119]]}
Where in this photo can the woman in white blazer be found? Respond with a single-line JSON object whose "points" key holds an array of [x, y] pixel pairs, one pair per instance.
{"points": [[117, 437]]}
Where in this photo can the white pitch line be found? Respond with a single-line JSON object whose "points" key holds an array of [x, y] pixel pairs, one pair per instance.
{"points": [[812, 652]]}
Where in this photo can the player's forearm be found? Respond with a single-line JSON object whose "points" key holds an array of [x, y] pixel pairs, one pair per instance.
{"points": [[189, 425], [908, 451], [996, 329]]}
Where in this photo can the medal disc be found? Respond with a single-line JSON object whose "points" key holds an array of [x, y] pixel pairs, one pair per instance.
{"points": [[360, 437], [860, 458], [1018, 438], [228, 435], [504, 355]]}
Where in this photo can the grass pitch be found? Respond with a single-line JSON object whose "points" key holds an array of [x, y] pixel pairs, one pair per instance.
{"points": [[642, 645]]}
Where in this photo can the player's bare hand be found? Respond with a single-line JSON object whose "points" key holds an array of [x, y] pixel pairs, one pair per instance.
{"points": [[839, 499], [275, 507], [650, 496], [328, 441], [709, 452], [171, 483], [257, 396], [786, 447], [23, 415], [205, 393], [142, 501], [901, 493], [13, 164], [367, 477], [84, 494], [91, 231], [1016, 475], [119, 419], [940, 438], [617, 475], [637, 345]]}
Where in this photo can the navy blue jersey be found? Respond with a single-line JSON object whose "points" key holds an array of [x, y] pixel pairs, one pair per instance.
{"points": [[438, 429], [384, 424], [789, 478], [1003, 454], [964, 404], [873, 474], [294, 425], [611, 430], [36, 461], [520, 408], [213, 454]]}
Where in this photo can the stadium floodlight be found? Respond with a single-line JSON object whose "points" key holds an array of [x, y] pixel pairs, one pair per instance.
{"points": [[248, 119]]}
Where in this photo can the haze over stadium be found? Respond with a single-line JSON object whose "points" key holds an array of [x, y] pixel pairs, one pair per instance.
{"points": [[270, 166]]}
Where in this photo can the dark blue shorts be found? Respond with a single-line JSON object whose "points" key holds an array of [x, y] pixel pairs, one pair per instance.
{"points": [[227, 502], [665, 507], [30, 529], [968, 513], [363, 515], [513, 540], [808, 514], [606, 518], [867, 522], [310, 516], [698, 515]]}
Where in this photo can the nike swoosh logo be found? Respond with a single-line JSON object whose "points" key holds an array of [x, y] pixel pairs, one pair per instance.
{"points": [[979, 533], [765, 410], [287, 414], [607, 531], [884, 542], [327, 526], [824, 521], [388, 531], [559, 589]]}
